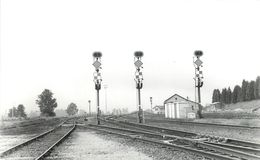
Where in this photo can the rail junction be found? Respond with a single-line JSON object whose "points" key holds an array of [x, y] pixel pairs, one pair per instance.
{"points": [[210, 147]]}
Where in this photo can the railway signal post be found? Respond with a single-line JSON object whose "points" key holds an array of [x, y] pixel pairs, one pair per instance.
{"points": [[97, 80], [139, 84], [198, 77]]}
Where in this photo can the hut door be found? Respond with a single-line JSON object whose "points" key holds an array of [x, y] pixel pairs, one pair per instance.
{"points": [[178, 110], [175, 110], [170, 108]]}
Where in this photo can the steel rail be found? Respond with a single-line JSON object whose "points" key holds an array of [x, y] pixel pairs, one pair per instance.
{"points": [[27, 124], [23, 124], [48, 151], [243, 143], [188, 141], [167, 130], [197, 143], [241, 148], [203, 123], [239, 151], [150, 127], [126, 126], [131, 131], [158, 142], [12, 149]]}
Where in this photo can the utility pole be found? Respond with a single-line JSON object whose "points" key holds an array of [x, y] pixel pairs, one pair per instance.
{"points": [[13, 109], [97, 79], [139, 84], [198, 78], [151, 101], [89, 107]]}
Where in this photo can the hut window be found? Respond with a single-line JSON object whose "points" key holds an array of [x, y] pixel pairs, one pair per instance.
{"points": [[192, 107], [176, 99]]}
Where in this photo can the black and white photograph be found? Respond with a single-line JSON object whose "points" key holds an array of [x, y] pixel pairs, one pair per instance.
{"points": [[130, 79]]}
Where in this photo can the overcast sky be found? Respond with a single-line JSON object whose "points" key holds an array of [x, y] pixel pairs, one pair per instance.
{"points": [[49, 44]]}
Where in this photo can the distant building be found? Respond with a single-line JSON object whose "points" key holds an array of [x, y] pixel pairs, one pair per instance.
{"points": [[213, 107], [61, 113], [158, 110], [179, 107], [82, 112], [33, 114], [119, 111]]}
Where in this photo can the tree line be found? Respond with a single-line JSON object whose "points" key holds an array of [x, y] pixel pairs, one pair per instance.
{"points": [[46, 103], [249, 90], [17, 112]]}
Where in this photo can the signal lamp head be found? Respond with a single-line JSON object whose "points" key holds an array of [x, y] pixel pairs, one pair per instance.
{"points": [[198, 53], [139, 54], [97, 54]]}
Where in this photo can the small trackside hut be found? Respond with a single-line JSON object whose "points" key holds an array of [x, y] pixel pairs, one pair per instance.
{"points": [[158, 109], [179, 107]]}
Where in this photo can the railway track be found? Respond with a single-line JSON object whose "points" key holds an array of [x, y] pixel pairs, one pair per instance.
{"points": [[228, 141], [30, 124], [205, 124], [40, 146], [180, 122], [149, 127], [231, 149]]}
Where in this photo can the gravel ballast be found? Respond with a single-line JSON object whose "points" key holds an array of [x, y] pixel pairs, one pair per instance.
{"points": [[246, 134], [156, 152]]}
